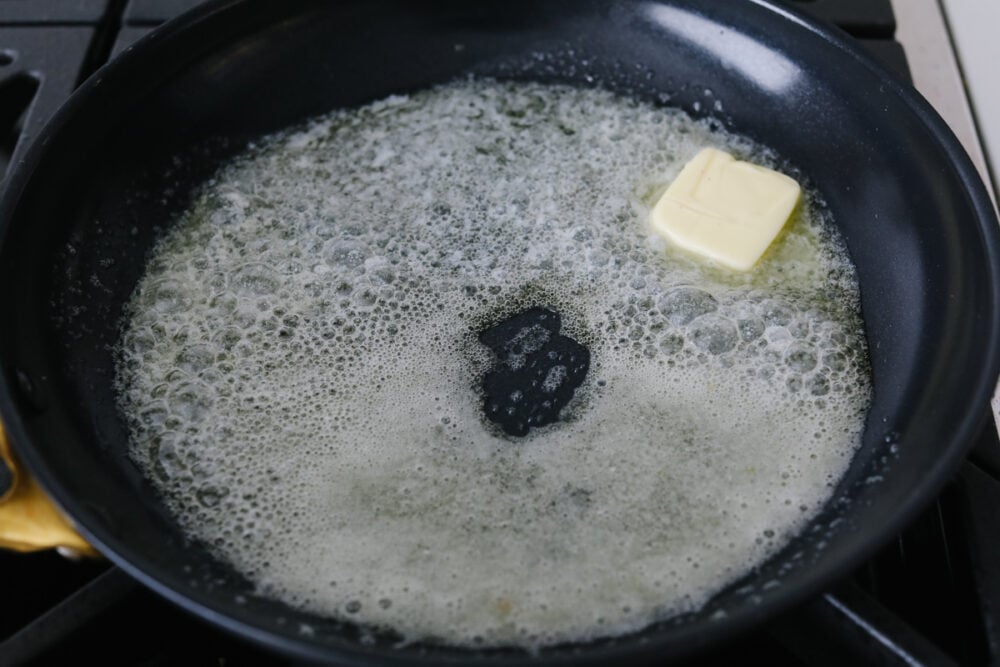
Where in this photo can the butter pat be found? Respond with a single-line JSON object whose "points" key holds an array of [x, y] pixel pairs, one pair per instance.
{"points": [[724, 209]]}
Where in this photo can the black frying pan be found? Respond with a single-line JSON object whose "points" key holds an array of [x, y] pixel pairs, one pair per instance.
{"points": [[101, 182]]}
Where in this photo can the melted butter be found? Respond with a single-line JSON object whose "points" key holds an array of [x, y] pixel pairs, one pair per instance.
{"points": [[299, 369]]}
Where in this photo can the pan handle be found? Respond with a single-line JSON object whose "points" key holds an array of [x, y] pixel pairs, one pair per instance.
{"points": [[29, 521]]}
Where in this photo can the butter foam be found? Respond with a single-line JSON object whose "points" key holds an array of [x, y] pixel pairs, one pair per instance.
{"points": [[299, 370]]}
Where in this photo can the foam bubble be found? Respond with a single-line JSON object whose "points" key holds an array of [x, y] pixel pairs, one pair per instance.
{"points": [[299, 370]]}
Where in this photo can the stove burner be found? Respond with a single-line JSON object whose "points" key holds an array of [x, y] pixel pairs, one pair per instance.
{"points": [[932, 597]]}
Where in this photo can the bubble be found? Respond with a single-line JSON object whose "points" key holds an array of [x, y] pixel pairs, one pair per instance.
{"points": [[195, 358], [190, 402], [836, 361], [715, 335], [256, 279], [167, 458], [800, 358], [799, 328], [348, 253], [210, 496], [778, 338], [818, 385], [777, 314], [681, 306], [153, 416], [228, 338], [169, 296]]}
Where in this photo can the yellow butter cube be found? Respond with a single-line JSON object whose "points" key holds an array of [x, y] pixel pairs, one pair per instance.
{"points": [[724, 209]]}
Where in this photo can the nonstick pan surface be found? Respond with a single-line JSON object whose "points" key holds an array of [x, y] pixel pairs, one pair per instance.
{"points": [[116, 164]]}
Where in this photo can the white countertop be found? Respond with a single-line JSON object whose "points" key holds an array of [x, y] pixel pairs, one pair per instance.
{"points": [[973, 27], [929, 32], [924, 31]]}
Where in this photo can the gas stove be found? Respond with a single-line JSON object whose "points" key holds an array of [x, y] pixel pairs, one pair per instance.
{"points": [[931, 597]]}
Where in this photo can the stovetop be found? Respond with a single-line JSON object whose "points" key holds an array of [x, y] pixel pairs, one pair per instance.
{"points": [[931, 597]]}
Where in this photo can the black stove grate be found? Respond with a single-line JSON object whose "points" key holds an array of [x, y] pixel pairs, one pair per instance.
{"points": [[932, 597]]}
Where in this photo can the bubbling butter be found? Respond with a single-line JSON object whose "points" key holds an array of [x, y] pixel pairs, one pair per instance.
{"points": [[299, 370]]}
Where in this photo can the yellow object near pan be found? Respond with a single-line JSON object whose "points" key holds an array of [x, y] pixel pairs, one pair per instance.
{"points": [[29, 521]]}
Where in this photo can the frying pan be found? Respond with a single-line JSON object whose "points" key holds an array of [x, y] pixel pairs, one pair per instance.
{"points": [[116, 164]]}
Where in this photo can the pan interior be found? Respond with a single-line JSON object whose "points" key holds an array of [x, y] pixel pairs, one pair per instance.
{"points": [[128, 152]]}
